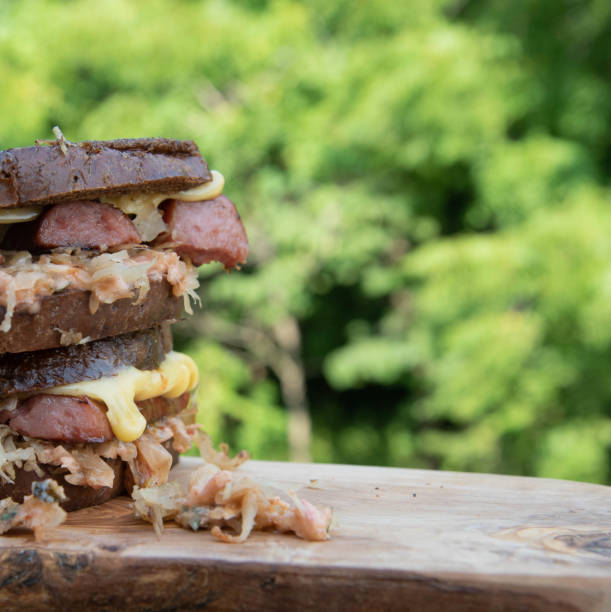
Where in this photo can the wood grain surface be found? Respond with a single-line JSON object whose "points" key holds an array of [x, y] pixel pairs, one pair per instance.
{"points": [[402, 540]]}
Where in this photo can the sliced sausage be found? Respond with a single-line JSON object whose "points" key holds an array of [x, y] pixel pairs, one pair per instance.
{"points": [[79, 419], [157, 407], [205, 231], [84, 223], [63, 418]]}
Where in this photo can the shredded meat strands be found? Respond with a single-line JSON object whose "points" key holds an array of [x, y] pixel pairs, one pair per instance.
{"points": [[38, 512], [231, 506]]}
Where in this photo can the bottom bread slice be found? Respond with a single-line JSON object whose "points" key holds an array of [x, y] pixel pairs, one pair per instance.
{"points": [[77, 496]]}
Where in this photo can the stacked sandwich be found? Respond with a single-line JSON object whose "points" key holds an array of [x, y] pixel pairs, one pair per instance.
{"points": [[99, 248]]}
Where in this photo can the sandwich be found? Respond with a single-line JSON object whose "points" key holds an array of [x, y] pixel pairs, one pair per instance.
{"points": [[100, 242]]}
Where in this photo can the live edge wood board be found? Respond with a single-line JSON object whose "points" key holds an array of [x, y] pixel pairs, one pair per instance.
{"points": [[403, 540]]}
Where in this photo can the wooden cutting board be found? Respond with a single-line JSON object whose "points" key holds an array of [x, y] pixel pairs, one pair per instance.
{"points": [[403, 540]]}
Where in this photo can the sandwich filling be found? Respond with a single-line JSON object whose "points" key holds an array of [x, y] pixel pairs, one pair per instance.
{"points": [[26, 279], [200, 224], [144, 207], [148, 458], [129, 415], [176, 375]]}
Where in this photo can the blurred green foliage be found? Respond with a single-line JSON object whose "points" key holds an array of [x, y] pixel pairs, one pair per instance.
{"points": [[425, 187]]}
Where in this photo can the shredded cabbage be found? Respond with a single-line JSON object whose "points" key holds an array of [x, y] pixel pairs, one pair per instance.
{"points": [[14, 456], [231, 506], [146, 458], [38, 512], [25, 280], [9, 297]]}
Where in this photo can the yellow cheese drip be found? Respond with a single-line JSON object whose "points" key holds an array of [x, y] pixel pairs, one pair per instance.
{"points": [[176, 375], [206, 191], [19, 214], [148, 220]]}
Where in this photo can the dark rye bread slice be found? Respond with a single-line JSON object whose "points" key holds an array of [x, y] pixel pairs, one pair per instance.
{"points": [[46, 174], [77, 496], [39, 370], [68, 311]]}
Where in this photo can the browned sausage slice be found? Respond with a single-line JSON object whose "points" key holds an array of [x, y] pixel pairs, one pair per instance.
{"points": [[205, 231], [84, 223], [157, 407], [58, 417], [79, 419]]}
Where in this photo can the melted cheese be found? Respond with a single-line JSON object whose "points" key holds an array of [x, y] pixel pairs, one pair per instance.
{"points": [[205, 191], [19, 214], [176, 375], [148, 220]]}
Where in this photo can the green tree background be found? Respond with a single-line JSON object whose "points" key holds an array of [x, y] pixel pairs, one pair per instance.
{"points": [[425, 185]]}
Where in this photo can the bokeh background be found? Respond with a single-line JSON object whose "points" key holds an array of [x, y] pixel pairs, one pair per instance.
{"points": [[425, 185]]}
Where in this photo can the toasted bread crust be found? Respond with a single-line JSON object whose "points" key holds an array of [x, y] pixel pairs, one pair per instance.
{"points": [[48, 174], [77, 496], [68, 311], [39, 370]]}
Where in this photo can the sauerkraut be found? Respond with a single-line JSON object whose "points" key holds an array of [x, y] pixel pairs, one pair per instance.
{"points": [[148, 461], [14, 455], [38, 512], [230, 505], [26, 279]]}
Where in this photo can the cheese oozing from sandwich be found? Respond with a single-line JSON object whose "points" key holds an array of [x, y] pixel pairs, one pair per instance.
{"points": [[19, 214], [142, 207], [148, 220], [176, 375]]}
